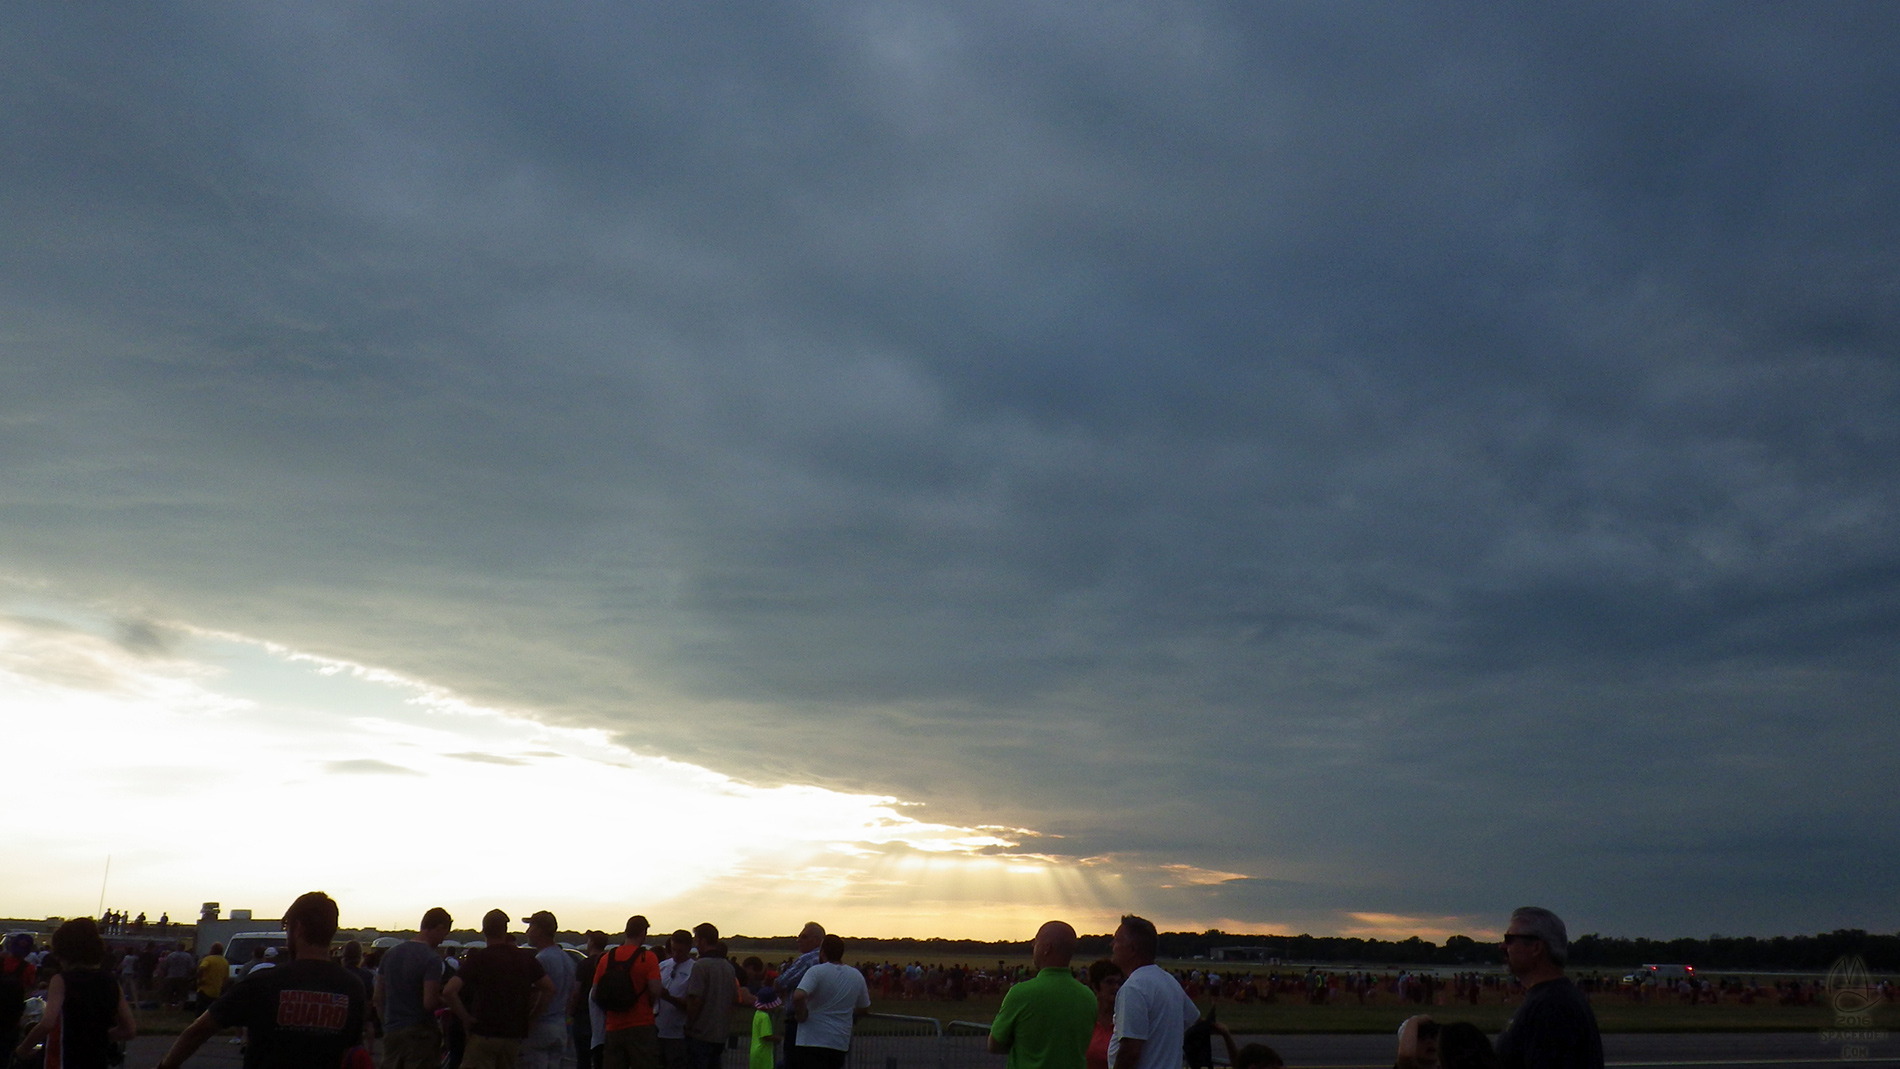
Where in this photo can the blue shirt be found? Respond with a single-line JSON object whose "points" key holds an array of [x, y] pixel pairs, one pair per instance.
{"points": [[559, 965], [788, 980]]}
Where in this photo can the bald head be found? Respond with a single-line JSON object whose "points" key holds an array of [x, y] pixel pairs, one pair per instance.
{"points": [[1054, 946]]}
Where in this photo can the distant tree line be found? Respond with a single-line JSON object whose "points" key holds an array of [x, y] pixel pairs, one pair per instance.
{"points": [[1718, 952]]}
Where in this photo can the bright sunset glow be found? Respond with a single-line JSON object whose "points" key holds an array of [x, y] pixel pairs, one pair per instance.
{"points": [[227, 770]]}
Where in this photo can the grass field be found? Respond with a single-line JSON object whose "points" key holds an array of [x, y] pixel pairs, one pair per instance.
{"points": [[1284, 1018], [1382, 1015], [1613, 1015], [1385, 1013]]}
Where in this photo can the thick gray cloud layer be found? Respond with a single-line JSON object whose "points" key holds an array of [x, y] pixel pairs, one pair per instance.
{"points": [[1425, 460]]}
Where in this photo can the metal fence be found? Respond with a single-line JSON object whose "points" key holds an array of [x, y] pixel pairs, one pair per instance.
{"points": [[966, 1045], [894, 1041]]}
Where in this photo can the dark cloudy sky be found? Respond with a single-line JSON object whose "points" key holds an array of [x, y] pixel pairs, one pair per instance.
{"points": [[1423, 459]]}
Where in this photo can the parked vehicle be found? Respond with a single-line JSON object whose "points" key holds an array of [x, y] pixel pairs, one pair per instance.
{"points": [[1660, 974], [238, 950]]}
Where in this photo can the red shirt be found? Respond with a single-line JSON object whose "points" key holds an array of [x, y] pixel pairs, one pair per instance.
{"points": [[1098, 1044], [645, 967]]}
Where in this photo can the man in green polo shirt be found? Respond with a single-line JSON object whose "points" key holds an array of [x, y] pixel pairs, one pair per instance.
{"points": [[1046, 1021]]}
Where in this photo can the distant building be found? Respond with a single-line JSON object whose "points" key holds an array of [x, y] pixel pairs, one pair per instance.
{"points": [[212, 930]]}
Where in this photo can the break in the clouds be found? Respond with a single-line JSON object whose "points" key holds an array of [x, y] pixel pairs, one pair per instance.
{"points": [[1415, 461], [234, 768]]}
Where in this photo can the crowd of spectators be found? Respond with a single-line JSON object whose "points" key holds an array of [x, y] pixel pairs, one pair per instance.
{"points": [[567, 1016], [116, 922]]}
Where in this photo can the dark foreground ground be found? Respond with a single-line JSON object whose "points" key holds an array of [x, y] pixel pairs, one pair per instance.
{"points": [[1736, 1051]]}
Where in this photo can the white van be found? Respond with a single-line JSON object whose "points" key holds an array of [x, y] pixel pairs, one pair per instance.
{"points": [[238, 950]]}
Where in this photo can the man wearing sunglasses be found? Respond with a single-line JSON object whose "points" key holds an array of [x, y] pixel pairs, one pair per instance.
{"points": [[1554, 1028]]}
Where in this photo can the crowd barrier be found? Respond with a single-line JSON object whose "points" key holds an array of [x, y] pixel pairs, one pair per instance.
{"points": [[894, 1041], [966, 1045]]}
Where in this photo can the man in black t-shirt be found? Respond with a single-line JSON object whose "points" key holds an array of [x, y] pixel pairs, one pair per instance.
{"points": [[303, 1014], [145, 973], [1554, 1027], [497, 993]]}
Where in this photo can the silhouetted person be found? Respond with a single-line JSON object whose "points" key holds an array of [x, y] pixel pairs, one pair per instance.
{"points": [[1554, 1027], [1152, 1012], [1045, 1022], [830, 996], [408, 991], [304, 1012], [85, 1010]]}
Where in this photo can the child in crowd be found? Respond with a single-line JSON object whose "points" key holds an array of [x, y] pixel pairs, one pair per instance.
{"points": [[764, 1038]]}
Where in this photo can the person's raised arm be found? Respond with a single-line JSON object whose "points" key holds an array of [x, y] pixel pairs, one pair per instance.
{"points": [[1227, 1036], [49, 1017], [189, 1041]]}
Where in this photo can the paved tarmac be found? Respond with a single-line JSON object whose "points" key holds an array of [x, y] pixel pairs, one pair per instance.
{"points": [[1731, 1050], [1755, 1050]]}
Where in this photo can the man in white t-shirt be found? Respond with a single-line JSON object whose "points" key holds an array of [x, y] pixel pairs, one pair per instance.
{"points": [[669, 1014], [1152, 1013], [830, 996]]}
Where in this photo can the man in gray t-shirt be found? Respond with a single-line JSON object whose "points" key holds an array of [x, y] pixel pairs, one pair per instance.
{"points": [[407, 994], [545, 1045], [711, 992], [179, 968]]}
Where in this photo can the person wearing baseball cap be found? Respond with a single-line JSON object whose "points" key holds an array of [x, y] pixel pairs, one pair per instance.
{"points": [[547, 1033]]}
